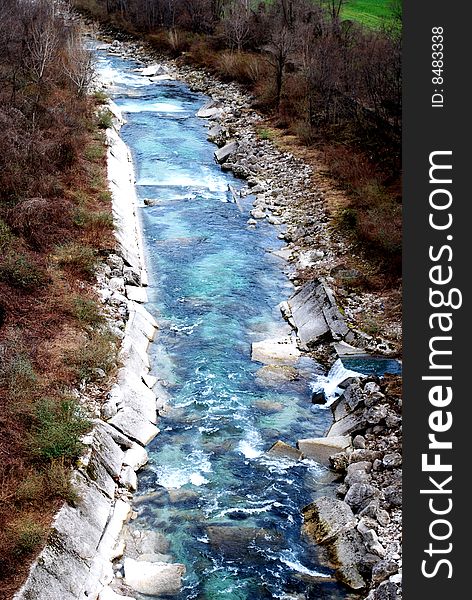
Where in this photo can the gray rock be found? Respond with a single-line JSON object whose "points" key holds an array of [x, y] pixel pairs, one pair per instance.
{"points": [[306, 306], [393, 494], [358, 442], [383, 570], [387, 590], [376, 414], [326, 518], [362, 465], [353, 396], [392, 460], [351, 423], [153, 578], [360, 495], [371, 387], [358, 473], [222, 154], [347, 553]]}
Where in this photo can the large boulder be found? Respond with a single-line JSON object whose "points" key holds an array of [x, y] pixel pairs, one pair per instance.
{"points": [[283, 350], [350, 423], [316, 315], [154, 578], [360, 495], [222, 154], [331, 523], [326, 518], [285, 451], [320, 449]]}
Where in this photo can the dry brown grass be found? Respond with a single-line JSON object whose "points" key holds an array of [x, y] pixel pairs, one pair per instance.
{"points": [[50, 246]]}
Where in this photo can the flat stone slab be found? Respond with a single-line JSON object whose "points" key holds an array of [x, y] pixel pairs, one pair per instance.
{"points": [[134, 426], [136, 294], [154, 578], [283, 349], [285, 451], [320, 449], [222, 154], [351, 423]]}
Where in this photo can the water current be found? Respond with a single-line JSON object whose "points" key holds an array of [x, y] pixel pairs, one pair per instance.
{"points": [[231, 512]]}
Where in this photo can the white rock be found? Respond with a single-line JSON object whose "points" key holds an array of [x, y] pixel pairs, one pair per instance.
{"points": [[108, 594], [118, 550], [149, 380], [136, 457], [132, 424], [153, 578], [128, 478], [137, 294], [282, 349], [112, 532], [258, 213], [117, 284]]}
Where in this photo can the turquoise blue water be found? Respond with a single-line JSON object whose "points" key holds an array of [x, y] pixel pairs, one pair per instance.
{"points": [[231, 513]]}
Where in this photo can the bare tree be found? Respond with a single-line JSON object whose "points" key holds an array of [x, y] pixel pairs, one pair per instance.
{"points": [[77, 63], [236, 23], [278, 52]]}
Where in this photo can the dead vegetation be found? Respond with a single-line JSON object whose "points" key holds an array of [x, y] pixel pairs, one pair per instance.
{"points": [[55, 225]]}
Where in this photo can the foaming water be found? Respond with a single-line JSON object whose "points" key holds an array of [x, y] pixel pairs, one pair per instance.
{"points": [[230, 510], [330, 383]]}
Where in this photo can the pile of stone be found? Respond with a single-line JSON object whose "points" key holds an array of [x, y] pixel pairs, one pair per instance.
{"points": [[360, 531]]}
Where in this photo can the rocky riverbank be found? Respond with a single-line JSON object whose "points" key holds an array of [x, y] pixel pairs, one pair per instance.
{"points": [[286, 194], [85, 537], [359, 532]]}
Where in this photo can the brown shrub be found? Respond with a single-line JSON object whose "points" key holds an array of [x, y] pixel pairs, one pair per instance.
{"points": [[244, 67], [41, 222]]}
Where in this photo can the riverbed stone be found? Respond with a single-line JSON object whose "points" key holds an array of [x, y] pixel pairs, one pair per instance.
{"points": [[154, 578], [242, 543], [273, 374], [268, 406], [331, 523]]}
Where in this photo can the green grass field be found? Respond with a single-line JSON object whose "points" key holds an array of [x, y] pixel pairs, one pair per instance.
{"points": [[371, 13]]}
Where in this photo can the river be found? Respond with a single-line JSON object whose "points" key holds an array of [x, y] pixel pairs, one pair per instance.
{"points": [[230, 512]]}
